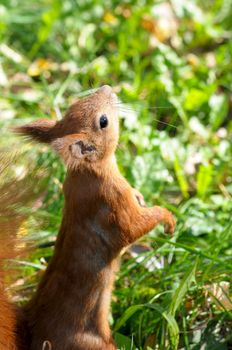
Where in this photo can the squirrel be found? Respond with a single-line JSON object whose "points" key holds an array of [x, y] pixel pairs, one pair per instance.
{"points": [[102, 215]]}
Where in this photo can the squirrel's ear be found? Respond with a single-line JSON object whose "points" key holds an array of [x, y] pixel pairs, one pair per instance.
{"points": [[42, 130]]}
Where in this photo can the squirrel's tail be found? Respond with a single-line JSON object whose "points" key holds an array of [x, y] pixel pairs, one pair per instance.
{"points": [[7, 311], [15, 193]]}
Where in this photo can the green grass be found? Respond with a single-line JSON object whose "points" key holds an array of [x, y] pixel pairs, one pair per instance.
{"points": [[175, 82]]}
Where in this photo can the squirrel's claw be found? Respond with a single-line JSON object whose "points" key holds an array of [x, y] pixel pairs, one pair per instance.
{"points": [[170, 224]]}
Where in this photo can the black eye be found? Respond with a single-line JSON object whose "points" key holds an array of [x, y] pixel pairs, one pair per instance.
{"points": [[103, 121]]}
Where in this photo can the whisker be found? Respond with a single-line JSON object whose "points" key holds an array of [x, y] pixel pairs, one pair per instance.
{"points": [[162, 107], [125, 110], [128, 109], [161, 122], [86, 92], [143, 107]]}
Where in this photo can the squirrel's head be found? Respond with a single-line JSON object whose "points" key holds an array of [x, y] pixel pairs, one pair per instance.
{"points": [[88, 133]]}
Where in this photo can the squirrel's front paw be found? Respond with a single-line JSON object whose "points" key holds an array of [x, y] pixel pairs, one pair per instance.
{"points": [[169, 223]]}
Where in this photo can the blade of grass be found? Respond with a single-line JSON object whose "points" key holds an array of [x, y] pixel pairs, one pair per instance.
{"points": [[194, 251], [182, 289]]}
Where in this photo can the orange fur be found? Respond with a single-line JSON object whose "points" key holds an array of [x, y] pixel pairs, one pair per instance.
{"points": [[102, 215], [7, 316]]}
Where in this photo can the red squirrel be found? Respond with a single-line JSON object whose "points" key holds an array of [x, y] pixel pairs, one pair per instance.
{"points": [[101, 216]]}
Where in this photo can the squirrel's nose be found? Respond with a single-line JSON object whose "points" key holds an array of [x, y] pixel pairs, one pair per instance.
{"points": [[106, 89]]}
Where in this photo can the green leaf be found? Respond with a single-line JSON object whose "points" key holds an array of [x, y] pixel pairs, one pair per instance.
{"points": [[182, 289], [181, 177], [204, 180], [195, 98], [168, 317], [219, 110], [128, 313], [123, 342], [171, 323]]}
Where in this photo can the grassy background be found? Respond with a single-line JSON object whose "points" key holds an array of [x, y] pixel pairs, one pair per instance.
{"points": [[171, 64]]}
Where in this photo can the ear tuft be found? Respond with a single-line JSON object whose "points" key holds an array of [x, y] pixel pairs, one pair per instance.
{"points": [[41, 130]]}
